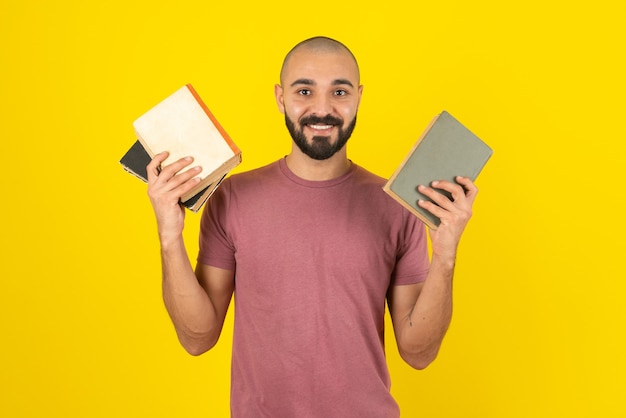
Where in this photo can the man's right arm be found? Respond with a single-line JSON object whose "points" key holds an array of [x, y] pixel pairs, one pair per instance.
{"points": [[197, 302]]}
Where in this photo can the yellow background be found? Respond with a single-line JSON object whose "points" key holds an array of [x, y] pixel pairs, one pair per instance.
{"points": [[538, 329]]}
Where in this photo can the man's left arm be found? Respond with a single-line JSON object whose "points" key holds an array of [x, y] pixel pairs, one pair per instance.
{"points": [[421, 312]]}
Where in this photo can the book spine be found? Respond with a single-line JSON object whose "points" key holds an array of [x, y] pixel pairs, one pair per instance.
{"points": [[219, 127]]}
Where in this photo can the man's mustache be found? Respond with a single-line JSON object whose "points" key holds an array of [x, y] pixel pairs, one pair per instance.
{"points": [[316, 120]]}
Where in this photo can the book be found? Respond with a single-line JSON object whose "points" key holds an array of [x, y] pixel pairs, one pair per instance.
{"points": [[184, 126], [445, 150]]}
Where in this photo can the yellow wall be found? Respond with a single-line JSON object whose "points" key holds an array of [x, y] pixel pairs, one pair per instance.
{"points": [[539, 317]]}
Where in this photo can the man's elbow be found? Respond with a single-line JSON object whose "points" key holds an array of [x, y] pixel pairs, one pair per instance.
{"points": [[197, 346], [195, 350], [420, 359]]}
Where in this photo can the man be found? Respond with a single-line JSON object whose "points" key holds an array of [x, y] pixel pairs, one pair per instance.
{"points": [[311, 247]]}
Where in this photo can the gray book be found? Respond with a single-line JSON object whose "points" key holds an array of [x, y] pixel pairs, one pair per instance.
{"points": [[445, 150]]}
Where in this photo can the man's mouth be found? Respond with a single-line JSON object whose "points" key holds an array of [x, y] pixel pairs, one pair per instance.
{"points": [[320, 127]]}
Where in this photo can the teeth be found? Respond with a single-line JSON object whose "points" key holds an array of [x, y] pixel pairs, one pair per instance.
{"points": [[321, 126]]}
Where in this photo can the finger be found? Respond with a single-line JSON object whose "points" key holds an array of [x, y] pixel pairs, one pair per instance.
{"points": [[437, 197], [433, 208], [165, 174], [455, 190], [174, 188], [448, 216], [181, 178], [172, 169], [186, 186], [448, 211], [153, 167], [468, 185]]}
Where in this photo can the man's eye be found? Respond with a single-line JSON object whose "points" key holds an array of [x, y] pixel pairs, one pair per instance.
{"points": [[340, 93], [304, 92]]}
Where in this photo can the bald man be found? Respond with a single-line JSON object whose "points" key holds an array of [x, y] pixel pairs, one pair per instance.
{"points": [[312, 248]]}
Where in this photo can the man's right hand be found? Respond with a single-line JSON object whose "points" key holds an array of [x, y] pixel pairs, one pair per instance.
{"points": [[165, 188]]}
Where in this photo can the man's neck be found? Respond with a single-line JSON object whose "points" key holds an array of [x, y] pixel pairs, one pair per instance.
{"points": [[307, 168]]}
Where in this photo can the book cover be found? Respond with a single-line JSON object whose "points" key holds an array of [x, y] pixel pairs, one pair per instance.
{"points": [[184, 126], [445, 150]]}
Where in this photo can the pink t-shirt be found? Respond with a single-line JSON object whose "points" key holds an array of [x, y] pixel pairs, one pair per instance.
{"points": [[313, 262]]}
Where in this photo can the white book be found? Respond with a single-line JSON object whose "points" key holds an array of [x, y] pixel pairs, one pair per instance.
{"points": [[184, 126]]}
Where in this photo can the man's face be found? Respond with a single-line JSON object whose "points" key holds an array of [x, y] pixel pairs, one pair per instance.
{"points": [[319, 97]]}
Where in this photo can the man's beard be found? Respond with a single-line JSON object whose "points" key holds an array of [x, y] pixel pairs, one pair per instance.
{"points": [[320, 147]]}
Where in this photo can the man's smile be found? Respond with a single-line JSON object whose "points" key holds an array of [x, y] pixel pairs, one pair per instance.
{"points": [[320, 128]]}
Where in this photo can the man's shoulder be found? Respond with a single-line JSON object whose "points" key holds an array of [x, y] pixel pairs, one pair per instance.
{"points": [[255, 174], [364, 175], [371, 186]]}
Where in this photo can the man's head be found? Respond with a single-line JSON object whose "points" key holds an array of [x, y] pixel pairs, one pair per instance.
{"points": [[319, 95]]}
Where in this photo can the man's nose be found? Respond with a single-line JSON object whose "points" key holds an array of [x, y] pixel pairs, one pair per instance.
{"points": [[322, 105]]}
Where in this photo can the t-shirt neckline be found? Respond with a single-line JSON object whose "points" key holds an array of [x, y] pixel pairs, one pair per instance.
{"points": [[282, 163]]}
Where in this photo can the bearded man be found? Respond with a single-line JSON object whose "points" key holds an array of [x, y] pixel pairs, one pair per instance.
{"points": [[312, 248]]}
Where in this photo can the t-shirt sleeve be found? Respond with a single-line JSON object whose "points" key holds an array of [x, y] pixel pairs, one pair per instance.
{"points": [[412, 261], [215, 244]]}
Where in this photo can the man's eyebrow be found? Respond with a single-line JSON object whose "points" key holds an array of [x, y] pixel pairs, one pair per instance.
{"points": [[309, 82], [305, 81], [342, 81]]}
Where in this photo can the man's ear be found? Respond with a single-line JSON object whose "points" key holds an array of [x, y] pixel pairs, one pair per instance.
{"points": [[360, 94], [280, 99]]}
